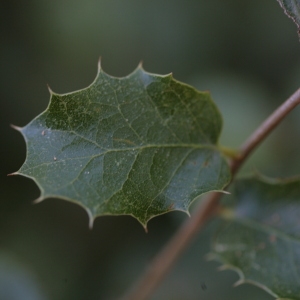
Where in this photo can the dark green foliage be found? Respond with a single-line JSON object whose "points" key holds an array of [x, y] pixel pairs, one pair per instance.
{"points": [[141, 145]]}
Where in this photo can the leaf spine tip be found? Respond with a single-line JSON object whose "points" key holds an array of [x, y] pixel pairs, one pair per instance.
{"points": [[49, 89], [145, 225], [91, 223], [239, 282], [226, 267], [12, 174], [91, 218], [99, 65], [140, 65], [16, 127], [38, 200]]}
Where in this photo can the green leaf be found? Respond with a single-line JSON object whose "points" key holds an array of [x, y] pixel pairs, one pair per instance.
{"points": [[292, 10], [260, 236], [141, 145]]}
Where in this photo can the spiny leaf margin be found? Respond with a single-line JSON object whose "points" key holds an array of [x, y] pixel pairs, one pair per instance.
{"points": [[292, 9], [64, 137], [265, 212]]}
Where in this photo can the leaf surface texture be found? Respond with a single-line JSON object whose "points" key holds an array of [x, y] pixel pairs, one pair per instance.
{"points": [[140, 145], [260, 235]]}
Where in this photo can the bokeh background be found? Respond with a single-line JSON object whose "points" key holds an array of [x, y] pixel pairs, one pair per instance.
{"points": [[247, 53]]}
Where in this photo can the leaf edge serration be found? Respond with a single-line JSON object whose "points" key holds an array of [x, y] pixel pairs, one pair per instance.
{"points": [[92, 216], [228, 214]]}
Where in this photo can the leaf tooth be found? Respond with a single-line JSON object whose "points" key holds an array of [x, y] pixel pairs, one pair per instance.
{"points": [[14, 173], [91, 218], [187, 212], [139, 80], [50, 90], [223, 268], [16, 127], [99, 65], [239, 282], [242, 279], [140, 65], [38, 200]]}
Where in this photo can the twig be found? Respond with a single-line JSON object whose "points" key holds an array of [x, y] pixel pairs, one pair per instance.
{"points": [[264, 130], [162, 263]]}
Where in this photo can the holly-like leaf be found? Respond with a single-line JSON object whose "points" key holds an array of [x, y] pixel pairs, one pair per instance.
{"points": [[260, 237], [141, 145], [292, 10]]}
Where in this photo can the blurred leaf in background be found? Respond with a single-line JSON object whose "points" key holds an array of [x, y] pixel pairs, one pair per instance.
{"points": [[16, 282], [246, 54]]}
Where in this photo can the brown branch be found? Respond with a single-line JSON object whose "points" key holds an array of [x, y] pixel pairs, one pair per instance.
{"points": [[264, 130], [163, 262]]}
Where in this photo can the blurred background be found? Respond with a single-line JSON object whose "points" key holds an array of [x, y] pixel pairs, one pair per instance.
{"points": [[247, 53]]}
